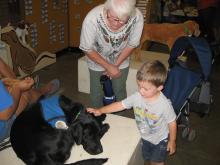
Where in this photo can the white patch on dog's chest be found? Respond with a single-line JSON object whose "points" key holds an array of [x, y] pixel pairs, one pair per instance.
{"points": [[61, 125], [53, 113]]}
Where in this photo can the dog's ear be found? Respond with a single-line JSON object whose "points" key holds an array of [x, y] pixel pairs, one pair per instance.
{"points": [[77, 132], [193, 27], [196, 30], [65, 102], [104, 129], [102, 117], [68, 104]]}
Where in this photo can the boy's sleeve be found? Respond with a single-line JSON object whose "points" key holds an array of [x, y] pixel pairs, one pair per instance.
{"points": [[128, 102], [5, 97], [170, 114]]}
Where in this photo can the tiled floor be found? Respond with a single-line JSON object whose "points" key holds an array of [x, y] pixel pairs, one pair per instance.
{"points": [[204, 150]]}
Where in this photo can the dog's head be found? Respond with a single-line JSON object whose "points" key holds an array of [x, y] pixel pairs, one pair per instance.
{"points": [[193, 28], [86, 129]]}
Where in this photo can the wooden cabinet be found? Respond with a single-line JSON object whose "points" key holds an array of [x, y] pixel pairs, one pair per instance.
{"points": [[56, 24], [49, 24], [78, 9]]}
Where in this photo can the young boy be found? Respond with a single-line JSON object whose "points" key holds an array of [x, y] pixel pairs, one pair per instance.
{"points": [[154, 114]]}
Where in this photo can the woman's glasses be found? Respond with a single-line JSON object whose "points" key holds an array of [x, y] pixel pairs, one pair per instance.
{"points": [[111, 18]]}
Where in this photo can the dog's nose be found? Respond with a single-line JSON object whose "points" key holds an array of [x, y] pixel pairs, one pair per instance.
{"points": [[99, 150], [95, 151]]}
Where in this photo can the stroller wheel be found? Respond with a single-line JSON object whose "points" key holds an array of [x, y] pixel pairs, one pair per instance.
{"points": [[185, 132], [192, 135]]}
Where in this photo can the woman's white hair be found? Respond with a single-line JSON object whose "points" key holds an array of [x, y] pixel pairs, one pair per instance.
{"points": [[122, 8]]}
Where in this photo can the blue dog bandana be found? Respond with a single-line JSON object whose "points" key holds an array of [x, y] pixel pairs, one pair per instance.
{"points": [[52, 112]]}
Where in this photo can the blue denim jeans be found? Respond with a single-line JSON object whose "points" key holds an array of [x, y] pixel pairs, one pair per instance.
{"points": [[155, 153], [5, 128]]}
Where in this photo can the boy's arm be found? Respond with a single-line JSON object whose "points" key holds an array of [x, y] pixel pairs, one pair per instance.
{"points": [[171, 146], [114, 107]]}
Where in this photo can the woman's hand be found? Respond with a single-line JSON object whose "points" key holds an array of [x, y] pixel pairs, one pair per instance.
{"points": [[113, 71]]}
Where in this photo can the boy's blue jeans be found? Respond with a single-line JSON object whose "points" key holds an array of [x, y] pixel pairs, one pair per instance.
{"points": [[155, 153]]}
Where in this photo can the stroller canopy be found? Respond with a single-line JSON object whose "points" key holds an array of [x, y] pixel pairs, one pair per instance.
{"points": [[182, 80], [179, 85], [201, 49]]}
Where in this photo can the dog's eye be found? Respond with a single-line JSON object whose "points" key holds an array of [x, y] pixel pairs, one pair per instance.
{"points": [[90, 130]]}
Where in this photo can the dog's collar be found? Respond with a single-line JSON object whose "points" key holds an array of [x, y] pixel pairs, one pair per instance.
{"points": [[52, 112], [186, 29], [77, 115]]}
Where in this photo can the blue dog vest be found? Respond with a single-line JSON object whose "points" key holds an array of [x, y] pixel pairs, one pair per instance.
{"points": [[53, 113]]}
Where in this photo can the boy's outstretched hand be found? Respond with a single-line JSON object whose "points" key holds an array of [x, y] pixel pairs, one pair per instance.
{"points": [[94, 111]]}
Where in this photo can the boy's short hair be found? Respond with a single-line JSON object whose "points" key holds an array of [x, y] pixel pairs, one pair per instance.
{"points": [[152, 71]]}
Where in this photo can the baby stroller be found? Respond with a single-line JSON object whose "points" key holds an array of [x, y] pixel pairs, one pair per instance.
{"points": [[187, 84]]}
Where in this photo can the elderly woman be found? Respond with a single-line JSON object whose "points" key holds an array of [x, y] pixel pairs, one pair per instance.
{"points": [[110, 33]]}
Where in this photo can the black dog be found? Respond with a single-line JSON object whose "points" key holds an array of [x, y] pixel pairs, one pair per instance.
{"points": [[36, 142]]}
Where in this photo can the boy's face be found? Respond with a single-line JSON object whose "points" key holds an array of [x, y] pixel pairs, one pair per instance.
{"points": [[148, 90]]}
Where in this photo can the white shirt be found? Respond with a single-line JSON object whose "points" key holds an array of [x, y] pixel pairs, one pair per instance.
{"points": [[96, 35], [152, 118]]}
